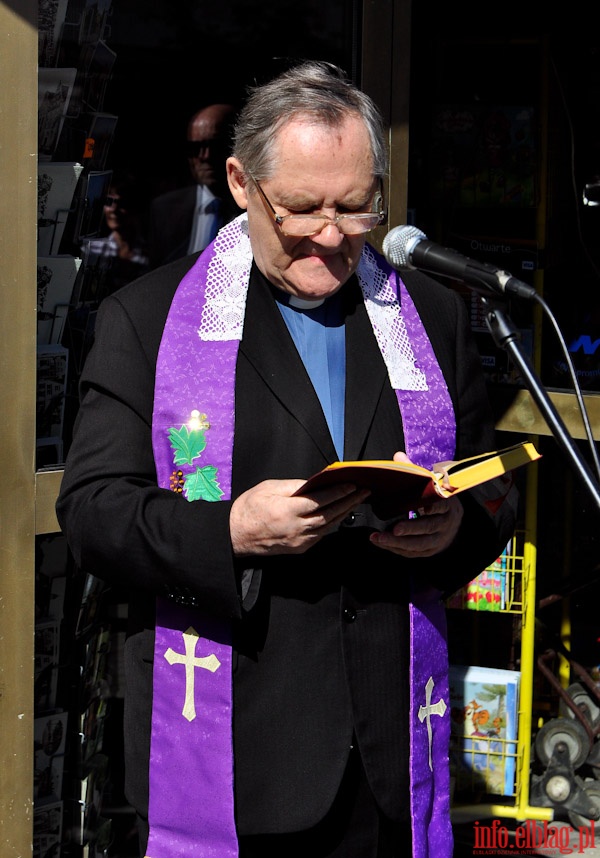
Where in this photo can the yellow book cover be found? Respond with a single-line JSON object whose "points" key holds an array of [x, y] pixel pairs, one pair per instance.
{"points": [[397, 487]]}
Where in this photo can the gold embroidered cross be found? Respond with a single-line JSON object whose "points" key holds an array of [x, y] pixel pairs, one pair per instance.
{"points": [[209, 662], [425, 712]]}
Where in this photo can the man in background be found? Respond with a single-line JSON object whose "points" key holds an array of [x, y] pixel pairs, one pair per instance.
{"points": [[187, 219]]}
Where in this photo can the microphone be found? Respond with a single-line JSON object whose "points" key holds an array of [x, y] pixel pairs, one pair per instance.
{"points": [[406, 248]]}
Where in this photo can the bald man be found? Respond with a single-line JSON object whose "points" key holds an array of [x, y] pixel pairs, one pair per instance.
{"points": [[186, 220]]}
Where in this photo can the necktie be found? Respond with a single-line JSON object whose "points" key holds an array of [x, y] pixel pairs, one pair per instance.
{"points": [[213, 208]]}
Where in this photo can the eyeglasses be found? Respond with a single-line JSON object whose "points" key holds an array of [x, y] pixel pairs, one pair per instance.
{"points": [[348, 224], [119, 202]]}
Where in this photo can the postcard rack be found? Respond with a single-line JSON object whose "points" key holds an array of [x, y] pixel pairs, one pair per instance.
{"points": [[508, 587]]}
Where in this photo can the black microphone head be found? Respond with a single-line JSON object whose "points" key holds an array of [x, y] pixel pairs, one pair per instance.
{"points": [[398, 244]]}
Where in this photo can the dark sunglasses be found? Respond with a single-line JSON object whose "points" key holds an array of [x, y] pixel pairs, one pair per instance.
{"points": [[194, 147], [119, 202]]}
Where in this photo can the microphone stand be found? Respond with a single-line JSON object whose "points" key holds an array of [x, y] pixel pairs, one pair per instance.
{"points": [[507, 337]]}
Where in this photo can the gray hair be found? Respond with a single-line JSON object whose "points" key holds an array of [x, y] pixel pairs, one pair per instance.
{"points": [[319, 91]]}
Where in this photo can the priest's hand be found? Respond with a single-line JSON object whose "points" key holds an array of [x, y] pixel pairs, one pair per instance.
{"points": [[425, 533], [269, 519]]}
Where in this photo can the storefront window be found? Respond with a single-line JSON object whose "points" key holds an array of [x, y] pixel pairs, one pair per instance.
{"points": [[118, 83]]}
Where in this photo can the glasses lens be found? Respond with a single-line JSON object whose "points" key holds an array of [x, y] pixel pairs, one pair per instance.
{"points": [[355, 224], [302, 225], [299, 225]]}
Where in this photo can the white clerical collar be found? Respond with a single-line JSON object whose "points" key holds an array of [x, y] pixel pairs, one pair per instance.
{"points": [[305, 303]]}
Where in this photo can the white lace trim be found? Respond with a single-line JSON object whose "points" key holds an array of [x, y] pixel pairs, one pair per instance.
{"points": [[227, 286], [388, 325], [227, 280]]}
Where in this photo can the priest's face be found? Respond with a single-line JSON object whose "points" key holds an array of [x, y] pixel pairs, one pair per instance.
{"points": [[317, 171]]}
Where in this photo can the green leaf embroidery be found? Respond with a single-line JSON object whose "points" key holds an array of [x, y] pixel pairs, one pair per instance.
{"points": [[187, 444], [202, 485]]}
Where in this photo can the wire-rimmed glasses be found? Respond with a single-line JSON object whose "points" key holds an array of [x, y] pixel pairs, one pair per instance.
{"points": [[354, 223]]}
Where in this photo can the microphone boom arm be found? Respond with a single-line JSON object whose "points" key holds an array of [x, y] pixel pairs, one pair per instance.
{"points": [[507, 337]]}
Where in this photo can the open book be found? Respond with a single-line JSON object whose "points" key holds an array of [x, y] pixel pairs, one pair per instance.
{"points": [[398, 487]]}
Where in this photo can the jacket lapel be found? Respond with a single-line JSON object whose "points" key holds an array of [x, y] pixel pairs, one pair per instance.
{"points": [[366, 374], [267, 344]]}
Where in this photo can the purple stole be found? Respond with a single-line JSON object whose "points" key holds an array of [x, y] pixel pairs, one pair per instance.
{"points": [[191, 806]]}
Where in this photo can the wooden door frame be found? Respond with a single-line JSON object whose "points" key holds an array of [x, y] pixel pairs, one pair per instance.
{"points": [[18, 217]]}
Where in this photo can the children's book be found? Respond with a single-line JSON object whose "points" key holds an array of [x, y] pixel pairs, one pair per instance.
{"points": [[484, 719], [486, 592], [489, 591], [398, 487]]}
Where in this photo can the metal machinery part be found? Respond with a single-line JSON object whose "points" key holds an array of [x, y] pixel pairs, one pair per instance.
{"points": [[592, 791], [583, 700], [562, 730]]}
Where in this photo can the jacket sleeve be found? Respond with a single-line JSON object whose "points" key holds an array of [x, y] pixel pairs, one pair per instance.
{"points": [[120, 526]]}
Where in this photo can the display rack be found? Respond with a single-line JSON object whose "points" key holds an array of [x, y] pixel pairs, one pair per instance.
{"points": [[519, 602]]}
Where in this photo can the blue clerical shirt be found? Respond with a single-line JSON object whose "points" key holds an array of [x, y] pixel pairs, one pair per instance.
{"points": [[318, 332]]}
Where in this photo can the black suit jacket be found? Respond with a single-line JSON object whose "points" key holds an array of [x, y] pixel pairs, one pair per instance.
{"points": [[321, 639], [170, 223]]}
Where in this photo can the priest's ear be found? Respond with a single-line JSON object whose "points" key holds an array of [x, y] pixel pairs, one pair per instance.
{"points": [[237, 181]]}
